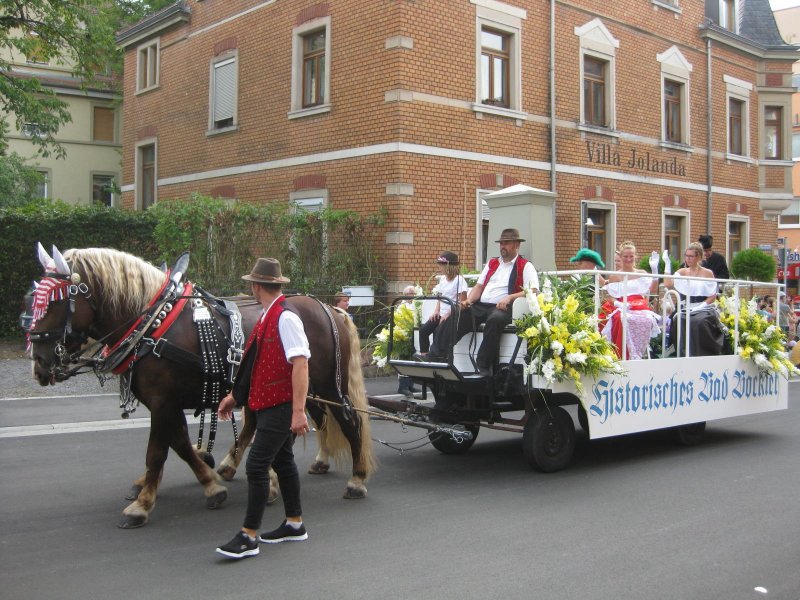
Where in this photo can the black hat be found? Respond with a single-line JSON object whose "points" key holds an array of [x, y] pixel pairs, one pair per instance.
{"points": [[447, 258]]}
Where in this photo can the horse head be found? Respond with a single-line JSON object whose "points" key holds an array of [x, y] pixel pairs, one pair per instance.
{"points": [[61, 316]]}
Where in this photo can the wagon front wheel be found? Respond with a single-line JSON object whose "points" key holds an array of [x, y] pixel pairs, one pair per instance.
{"points": [[447, 444], [548, 439]]}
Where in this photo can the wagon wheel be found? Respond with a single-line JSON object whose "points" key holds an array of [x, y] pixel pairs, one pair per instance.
{"points": [[689, 435], [447, 445], [548, 440]]}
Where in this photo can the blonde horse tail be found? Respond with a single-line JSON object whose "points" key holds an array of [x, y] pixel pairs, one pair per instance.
{"points": [[358, 396]]}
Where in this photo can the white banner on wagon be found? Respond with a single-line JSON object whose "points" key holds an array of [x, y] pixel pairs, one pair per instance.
{"points": [[654, 394]]}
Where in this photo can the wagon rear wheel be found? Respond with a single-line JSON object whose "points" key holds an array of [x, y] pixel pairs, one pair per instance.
{"points": [[548, 439], [445, 443]]}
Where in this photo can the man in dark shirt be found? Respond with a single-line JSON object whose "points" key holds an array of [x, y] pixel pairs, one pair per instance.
{"points": [[713, 261]]}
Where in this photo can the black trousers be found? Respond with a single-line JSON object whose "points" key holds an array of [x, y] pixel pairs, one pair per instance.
{"points": [[460, 324], [272, 446], [425, 331]]}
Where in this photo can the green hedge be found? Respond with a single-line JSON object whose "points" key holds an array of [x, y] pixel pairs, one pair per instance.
{"points": [[66, 227]]}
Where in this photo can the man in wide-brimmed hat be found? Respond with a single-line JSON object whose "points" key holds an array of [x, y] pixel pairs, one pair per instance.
{"points": [[273, 382], [490, 301]]}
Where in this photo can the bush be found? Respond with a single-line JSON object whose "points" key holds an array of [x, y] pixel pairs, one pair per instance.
{"points": [[67, 227], [753, 264]]}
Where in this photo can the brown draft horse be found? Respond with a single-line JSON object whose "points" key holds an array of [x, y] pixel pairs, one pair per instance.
{"points": [[112, 289]]}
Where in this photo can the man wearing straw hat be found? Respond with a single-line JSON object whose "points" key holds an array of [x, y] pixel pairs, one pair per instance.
{"points": [[273, 382], [490, 301]]}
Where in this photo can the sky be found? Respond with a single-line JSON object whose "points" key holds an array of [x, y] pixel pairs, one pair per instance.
{"points": [[779, 4]]}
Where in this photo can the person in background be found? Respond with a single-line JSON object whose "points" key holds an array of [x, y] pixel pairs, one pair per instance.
{"points": [[786, 317], [342, 300], [273, 382], [451, 286], [405, 385], [588, 260], [714, 261]]}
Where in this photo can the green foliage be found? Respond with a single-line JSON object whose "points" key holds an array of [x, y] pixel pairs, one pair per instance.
{"points": [[319, 251], [753, 264], [79, 35], [66, 227], [18, 181]]}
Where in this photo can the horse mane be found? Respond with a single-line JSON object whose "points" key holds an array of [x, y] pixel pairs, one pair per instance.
{"points": [[121, 283]]}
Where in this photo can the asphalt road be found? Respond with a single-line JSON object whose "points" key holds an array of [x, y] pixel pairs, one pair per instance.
{"points": [[634, 517]]}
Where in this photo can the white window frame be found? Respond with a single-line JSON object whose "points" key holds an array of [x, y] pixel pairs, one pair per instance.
{"points": [[784, 103], [687, 221], [138, 171], [112, 177], [153, 46], [738, 90], [296, 103], [795, 207], [745, 237], [724, 24], [597, 42], [48, 181], [226, 58], [611, 227], [675, 67], [312, 201], [507, 19]]}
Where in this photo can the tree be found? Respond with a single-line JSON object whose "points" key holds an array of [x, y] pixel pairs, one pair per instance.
{"points": [[753, 264], [18, 182], [75, 33]]}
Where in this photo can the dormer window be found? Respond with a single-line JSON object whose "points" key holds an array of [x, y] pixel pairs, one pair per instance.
{"points": [[727, 14]]}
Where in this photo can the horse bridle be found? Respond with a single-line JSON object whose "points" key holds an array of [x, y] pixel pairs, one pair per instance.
{"points": [[66, 335]]}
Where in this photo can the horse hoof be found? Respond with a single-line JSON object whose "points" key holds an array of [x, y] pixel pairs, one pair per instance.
{"points": [[133, 494], [226, 472], [216, 500], [132, 521], [208, 458], [318, 468], [354, 493]]}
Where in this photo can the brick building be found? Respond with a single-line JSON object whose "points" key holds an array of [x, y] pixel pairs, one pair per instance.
{"points": [[424, 107]]}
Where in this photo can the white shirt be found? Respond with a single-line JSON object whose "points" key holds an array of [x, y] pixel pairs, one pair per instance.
{"points": [[450, 290], [293, 335], [497, 287]]}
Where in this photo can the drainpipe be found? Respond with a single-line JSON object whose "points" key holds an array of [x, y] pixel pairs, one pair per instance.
{"points": [[709, 103], [553, 96]]}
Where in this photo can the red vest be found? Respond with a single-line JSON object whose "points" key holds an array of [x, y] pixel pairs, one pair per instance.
{"points": [[271, 377], [515, 279]]}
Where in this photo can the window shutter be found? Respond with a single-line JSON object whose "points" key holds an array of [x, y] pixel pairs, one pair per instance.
{"points": [[103, 129], [224, 89]]}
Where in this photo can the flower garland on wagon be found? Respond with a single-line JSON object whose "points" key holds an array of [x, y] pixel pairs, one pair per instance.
{"points": [[759, 340], [406, 317], [563, 341]]}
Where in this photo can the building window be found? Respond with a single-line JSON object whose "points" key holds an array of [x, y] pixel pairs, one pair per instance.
{"points": [[314, 68], [311, 68], [676, 228], [147, 67], [736, 126], [495, 65], [791, 216], [597, 62], [673, 113], [594, 91], [727, 14], [103, 189], [223, 92], [773, 127], [35, 54], [146, 176], [738, 233], [309, 242], [598, 229], [31, 130], [42, 189], [796, 146], [103, 124]]}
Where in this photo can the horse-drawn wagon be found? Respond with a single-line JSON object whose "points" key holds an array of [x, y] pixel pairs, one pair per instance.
{"points": [[521, 396]]}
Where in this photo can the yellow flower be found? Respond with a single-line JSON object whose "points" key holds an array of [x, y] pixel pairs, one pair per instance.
{"points": [[570, 304]]}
